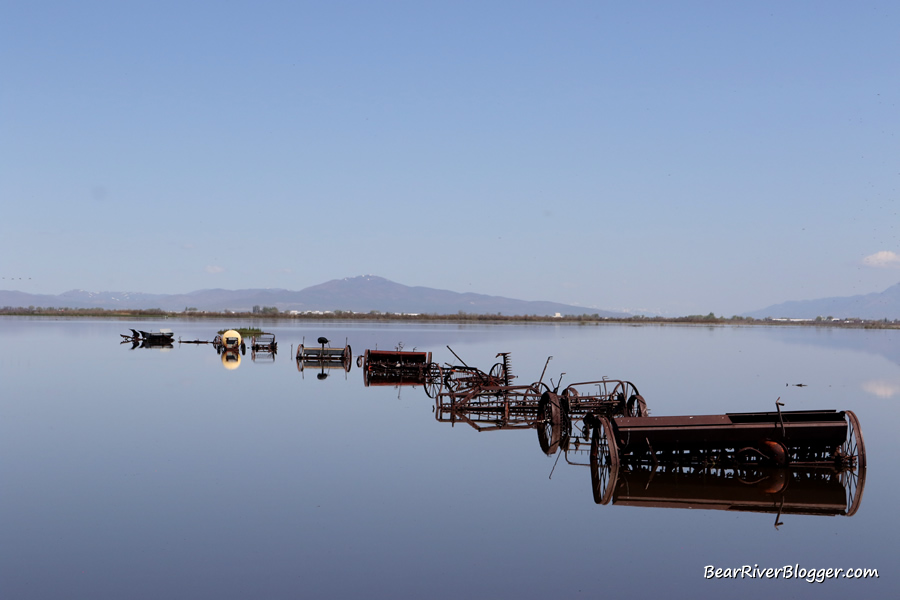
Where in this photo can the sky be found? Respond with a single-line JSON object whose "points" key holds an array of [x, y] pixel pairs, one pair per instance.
{"points": [[666, 157]]}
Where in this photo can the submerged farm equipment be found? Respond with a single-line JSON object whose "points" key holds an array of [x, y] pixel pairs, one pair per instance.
{"points": [[323, 357], [782, 438], [264, 342], [397, 367], [263, 347], [229, 342], [810, 462], [559, 410], [784, 462], [462, 380], [324, 353], [485, 400], [493, 407]]}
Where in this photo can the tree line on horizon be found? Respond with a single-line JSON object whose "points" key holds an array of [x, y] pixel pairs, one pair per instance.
{"points": [[273, 312]]}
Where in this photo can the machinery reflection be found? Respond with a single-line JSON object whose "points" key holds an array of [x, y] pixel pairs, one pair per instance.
{"points": [[323, 358], [782, 462], [721, 476], [231, 359], [810, 462], [779, 491], [149, 339], [263, 348]]}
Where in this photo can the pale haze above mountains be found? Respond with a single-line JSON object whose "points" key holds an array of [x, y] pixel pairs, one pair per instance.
{"points": [[371, 293]]}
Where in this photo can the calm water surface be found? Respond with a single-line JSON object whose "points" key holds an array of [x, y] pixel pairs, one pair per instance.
{"points": [[154, 473]]}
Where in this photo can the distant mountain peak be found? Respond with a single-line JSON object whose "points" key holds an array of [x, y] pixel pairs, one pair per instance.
{"points": [[876, 305], [362, 293]]}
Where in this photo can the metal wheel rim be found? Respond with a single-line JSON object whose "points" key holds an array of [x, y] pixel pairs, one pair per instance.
{"points": [[854, 482], [604, 461]]}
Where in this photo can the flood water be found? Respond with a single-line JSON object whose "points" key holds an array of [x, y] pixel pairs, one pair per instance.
{"points": [[160, 473]]}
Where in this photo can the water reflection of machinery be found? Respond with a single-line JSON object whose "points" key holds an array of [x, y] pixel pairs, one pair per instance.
{"points": [[496, 407], [263, 348], [231, 359], [230, 346], [781, 491], [396, 367], [323, 366], [783, 462], [324, 358], [721, 462], [149, 339], [164, 344]]}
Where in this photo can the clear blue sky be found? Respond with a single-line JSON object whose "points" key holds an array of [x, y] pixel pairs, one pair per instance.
{"points": [[682, 157]]}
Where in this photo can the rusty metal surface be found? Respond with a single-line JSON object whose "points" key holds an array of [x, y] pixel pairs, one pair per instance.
{"points": [[715, 431], [396, 367], [766, 438]]}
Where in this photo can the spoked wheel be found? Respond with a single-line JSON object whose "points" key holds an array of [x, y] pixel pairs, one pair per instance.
{"points": [[538, 388], [623, 391], [434, 380], [498, 374], [532, 396], [854, 482], [549, 423], [636, 406], [570, 398], [604, 460], [559, 411], [852, 453]]}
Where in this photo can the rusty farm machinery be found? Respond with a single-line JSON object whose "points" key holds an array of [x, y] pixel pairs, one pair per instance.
{"points": [[324, 357], [783, 462], [800, 462], [397, 367]]}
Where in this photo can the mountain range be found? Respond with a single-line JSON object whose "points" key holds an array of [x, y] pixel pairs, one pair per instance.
{"points": [[357, 294], [875, 306], [371, 293]]}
